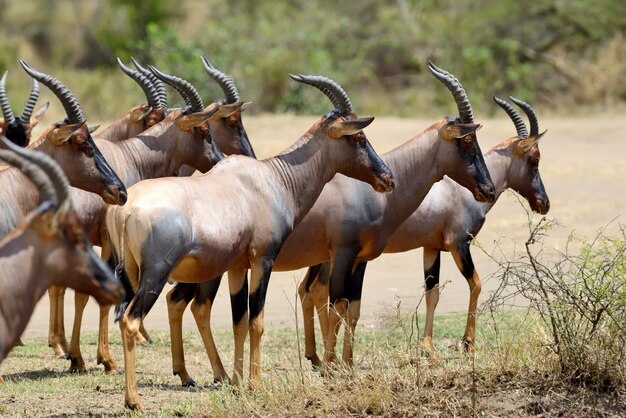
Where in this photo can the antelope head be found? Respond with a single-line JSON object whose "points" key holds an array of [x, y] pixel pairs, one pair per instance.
{"points": [[459, 154], [19, 129], [72, 147], [154, 111], [228, 128], [524, 175], [349, 151], [54, 231], [196, 146]]}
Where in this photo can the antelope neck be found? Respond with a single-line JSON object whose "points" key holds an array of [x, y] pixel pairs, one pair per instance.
{"points": [[145, 156], [498, 161], [415, 168], [301, 172], [20, 292]]}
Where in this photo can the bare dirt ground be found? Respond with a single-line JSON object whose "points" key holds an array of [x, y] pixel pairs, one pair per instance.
{"points": [[582, 166]]}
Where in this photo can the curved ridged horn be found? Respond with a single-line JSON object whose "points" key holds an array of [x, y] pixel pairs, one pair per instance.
{"points": [[530, 112], [455, 87], [225, 82], [69, 102], [156, 82], [4, 101], [32, 163], [145, 84], [520, 126], [47, 164], [330, 88], [30, 104], [184, 87]]}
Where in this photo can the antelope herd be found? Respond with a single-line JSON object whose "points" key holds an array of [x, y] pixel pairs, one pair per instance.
{"points": [[328, 203]]}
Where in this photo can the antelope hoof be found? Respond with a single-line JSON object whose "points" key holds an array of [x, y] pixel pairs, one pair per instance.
{"points": [[190, 383], [468, 346], [315, 361], [77, 365], [63, 357], [134, 406], [110, 367], [221, 379], [254, 385]]}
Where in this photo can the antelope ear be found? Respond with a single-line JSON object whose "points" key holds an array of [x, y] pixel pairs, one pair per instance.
{"points": [[342, 127], [94, 129], [44, 218], [245, 105], [62, 134], [65, 217], [459, 130], [227, 109], [140, 113], [524, 145], [38, 116], [187, 122]]}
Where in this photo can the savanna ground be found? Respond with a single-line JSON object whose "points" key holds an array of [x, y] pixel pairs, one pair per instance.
{"points": [[583, 171]]}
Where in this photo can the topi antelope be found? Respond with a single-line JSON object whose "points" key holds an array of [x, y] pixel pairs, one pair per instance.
{"points": [[229, 131], [450, 223], [140, 117], [233, 218], [447, 220], [19, 130], [181, 138], [350, 225], [70, 144], [47, 248]]}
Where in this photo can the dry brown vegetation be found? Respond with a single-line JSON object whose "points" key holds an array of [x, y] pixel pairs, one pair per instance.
{"points": [[505, 379], [521, 368]]}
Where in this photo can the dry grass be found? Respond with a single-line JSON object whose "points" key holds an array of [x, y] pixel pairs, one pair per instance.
{"points": [[513, 374]]}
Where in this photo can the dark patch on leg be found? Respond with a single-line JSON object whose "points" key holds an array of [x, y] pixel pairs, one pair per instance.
{"points": [[239, 301], [339, 273], [431, 274], [257, 298], [184, 291], [311, 275], [466, 260], [354, 285], [207, 291]]}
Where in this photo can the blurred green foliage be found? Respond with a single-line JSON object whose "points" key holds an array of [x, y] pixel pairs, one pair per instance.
{"points": [[553, 53]]}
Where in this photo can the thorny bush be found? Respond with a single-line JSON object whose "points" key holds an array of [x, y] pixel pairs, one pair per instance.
{"points": [[580, 296]]}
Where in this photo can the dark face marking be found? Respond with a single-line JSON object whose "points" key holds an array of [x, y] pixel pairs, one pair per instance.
{"points": [[114, 191], [17, 133], [475, 176], [369, 167], [526, 179]]}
